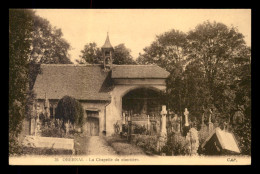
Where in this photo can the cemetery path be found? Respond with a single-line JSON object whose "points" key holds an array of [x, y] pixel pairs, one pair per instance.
{"points": [[98, 146]]}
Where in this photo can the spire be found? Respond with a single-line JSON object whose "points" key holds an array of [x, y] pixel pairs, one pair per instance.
{"points": [[107, 43]]}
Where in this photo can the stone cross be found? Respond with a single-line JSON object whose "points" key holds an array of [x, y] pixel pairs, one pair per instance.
{"points": [[163, 134], [163, 120], [186, 113]]}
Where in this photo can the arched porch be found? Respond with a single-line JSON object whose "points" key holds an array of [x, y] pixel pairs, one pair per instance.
{"points": [[137, 100], [141, 102]]}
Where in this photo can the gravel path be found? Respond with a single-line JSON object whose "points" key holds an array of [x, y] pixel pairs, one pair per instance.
{"points": [[98, 146]]}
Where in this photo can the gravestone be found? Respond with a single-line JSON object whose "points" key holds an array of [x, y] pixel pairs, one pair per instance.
{"points": [[163, 134], [203, 120], [186, 125], [220, 142], [211, 125], [186, 113], [163, 120], [49, 143], [148, 123], [123, 118], [193, 139], [67, 127], [176, 123]]}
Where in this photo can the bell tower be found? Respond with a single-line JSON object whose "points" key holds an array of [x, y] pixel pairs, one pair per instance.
{"points": [[107, 52]]}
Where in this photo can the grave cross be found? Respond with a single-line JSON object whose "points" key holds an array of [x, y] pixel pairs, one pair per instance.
{"points": [[186, 113]]}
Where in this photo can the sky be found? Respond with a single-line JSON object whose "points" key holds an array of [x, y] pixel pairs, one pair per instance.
{"points": [[136, 28]]}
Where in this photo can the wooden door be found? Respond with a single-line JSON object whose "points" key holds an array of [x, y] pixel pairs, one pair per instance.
{"points": [[93, 126]]}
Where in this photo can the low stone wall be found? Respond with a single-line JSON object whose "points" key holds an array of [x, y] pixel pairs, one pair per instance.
{"points": [[36, 143]]}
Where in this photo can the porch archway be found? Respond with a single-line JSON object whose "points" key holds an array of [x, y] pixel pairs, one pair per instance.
{"points": [[143, 101]]}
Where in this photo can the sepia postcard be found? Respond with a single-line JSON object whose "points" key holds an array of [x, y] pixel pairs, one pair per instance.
{"points": [[129, 86]]}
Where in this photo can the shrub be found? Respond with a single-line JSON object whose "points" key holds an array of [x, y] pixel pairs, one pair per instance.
{"points": [[176, 145], [193, 139], [124, 128], [242, 132], [52, 128], [52, 132], [203, 135], [15, 148], [139, 129], [69, 109], [146, 142]]}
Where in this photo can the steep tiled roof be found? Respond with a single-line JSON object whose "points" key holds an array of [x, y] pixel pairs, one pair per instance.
{"points": [[139, 71], [81, 82], [87, 82]]}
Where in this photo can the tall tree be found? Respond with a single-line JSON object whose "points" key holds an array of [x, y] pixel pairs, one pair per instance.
{"points": [[20, 39], [122, 55], [209, 67], [32, 41], [48, 46], [169, 52], [216, 47], [91, 54]]}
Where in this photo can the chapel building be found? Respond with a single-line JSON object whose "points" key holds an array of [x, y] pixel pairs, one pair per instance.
{"points": [[109, 93]]}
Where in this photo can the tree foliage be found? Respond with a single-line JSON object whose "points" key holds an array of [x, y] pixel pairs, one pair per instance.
{"points": [[210, 68], [243, 133], [20, 34], [122, 55], [69, 109], [48, 46], [167, 51], [32, 41], [91, 54]]}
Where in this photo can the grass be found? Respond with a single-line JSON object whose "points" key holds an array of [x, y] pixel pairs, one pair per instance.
{"points": [[122, 147]]}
